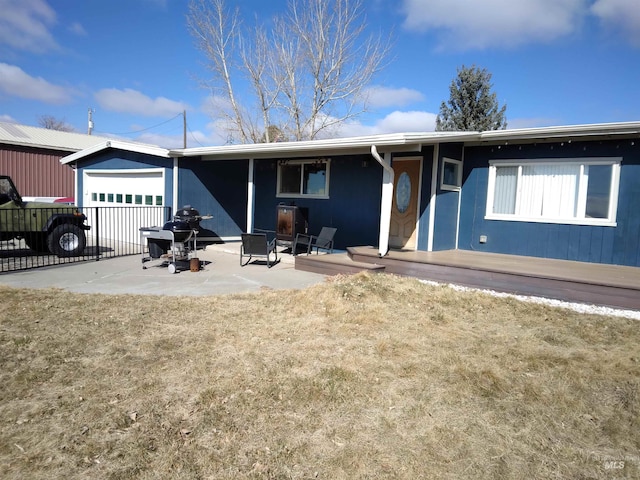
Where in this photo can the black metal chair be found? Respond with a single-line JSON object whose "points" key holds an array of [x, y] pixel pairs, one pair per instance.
{"points": [[322, 241], [257, 245]]}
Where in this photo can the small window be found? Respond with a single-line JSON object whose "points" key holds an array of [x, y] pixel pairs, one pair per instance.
{"points": [[102, 197], [451, 174], [574, 191], [159, 200], [118, 198], [128, 198], [110, 197], [303, 178], [94, 197], [138, 199]]}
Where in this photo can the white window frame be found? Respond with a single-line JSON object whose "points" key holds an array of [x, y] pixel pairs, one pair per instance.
{"points": [[282, 163], [458, 185], [580, 218]]}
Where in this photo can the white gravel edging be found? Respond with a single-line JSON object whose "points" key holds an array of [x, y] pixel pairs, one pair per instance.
{"points": [[577, 307]]}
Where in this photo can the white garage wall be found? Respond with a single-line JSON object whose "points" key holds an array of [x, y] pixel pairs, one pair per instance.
{"points": [[138, 194]]}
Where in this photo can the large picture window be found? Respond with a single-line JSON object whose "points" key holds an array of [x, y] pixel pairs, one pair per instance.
{"points": [[303, 178], [580, 191]]}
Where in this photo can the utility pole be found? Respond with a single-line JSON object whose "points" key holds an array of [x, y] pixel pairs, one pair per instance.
{"points": [[184, 128], [90, 121]]}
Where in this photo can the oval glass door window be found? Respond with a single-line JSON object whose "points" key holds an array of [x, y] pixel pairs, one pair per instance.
{"points": [[403, 192]]}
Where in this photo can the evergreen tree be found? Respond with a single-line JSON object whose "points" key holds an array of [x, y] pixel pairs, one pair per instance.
{"points": [[471, 105]]}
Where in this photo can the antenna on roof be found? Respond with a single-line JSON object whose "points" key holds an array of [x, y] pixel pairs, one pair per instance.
{"points": [[90, 121]]}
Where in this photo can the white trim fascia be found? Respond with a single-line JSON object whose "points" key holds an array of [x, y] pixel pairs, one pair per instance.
{"points": [[117, 144], [396, 142], [123, 170], [402, 142], [568, 131], [387, 143]]}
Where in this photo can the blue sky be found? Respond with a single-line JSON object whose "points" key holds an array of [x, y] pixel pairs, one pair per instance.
{"points": [[554, 62]]}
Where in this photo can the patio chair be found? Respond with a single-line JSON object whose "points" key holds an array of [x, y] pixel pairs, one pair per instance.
{"points": [[257, 245], [322, 241]]}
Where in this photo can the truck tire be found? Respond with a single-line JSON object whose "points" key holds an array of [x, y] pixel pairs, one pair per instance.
{"points": [[37, 242], [67, 240]]}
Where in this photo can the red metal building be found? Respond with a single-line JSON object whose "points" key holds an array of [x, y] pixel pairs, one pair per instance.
{"points": [[31, 156]]}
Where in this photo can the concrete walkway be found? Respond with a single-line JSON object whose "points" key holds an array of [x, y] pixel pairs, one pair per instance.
{"points": [[221, 274]]}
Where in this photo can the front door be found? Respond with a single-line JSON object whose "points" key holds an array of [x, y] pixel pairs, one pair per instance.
{"points": [[404, 210]]}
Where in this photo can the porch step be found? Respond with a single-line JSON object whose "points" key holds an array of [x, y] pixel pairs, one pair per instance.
{"points": [[334, 264], [608, 285]]}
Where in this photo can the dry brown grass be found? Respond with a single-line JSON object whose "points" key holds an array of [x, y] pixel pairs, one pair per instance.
{"points": [[361, 377]]}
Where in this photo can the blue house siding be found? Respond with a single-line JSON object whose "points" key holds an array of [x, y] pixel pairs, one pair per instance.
{"points": [[597, 244], [446, 214], [353, 206], [124, 160], [217, 188]]}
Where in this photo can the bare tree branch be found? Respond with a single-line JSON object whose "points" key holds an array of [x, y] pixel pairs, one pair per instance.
{"points": [[52, 123], [216, 32], [307, 74]]}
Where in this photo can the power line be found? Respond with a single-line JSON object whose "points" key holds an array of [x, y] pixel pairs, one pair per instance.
{"points": [[145, 129], [193, 136]]}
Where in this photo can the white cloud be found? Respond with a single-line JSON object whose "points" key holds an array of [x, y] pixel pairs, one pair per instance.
{"points": [[14, 81], [379, 96], [470, 24], [24, 25], [622, 15], [395, 122], [77, 29], [414, 121], [134, 102], [7, 119], [165, 141]]}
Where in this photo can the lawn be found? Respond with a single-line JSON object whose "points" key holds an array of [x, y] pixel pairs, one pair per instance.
{"points": [[361, 377]]}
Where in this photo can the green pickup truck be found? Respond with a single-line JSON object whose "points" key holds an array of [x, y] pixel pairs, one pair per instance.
{"points": [[45, 227]]}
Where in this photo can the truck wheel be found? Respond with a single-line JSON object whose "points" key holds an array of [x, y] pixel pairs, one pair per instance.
{"points": [[37, 242], [67, 240]]}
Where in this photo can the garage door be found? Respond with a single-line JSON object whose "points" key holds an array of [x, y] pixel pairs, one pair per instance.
{"points": [[131, 199]]}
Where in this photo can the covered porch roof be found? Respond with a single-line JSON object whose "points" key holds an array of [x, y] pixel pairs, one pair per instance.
{"points": [[407, 142], [386, 143]]}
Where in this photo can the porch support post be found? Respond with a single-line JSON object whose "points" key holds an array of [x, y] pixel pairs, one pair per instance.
{"points": [[251, 190], [174, 199], [386, 201], [432, 200]]}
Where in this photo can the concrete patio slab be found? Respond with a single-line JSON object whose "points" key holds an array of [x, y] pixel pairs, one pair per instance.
{"points": [[221, 274]]}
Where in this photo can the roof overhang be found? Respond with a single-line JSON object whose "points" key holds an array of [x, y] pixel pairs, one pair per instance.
{"points": [[388, 143], [553, 134], [396, 143], [118, 145]]}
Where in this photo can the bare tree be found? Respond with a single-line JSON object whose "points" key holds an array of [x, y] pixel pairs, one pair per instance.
{"points": [[305, 75], [52, 123]]}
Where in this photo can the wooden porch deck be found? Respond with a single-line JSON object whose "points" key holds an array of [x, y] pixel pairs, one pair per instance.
{"points": [[599, 284]]}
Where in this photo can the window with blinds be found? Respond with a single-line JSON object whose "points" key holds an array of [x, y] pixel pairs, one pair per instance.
{"points": [[582, 191]]}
